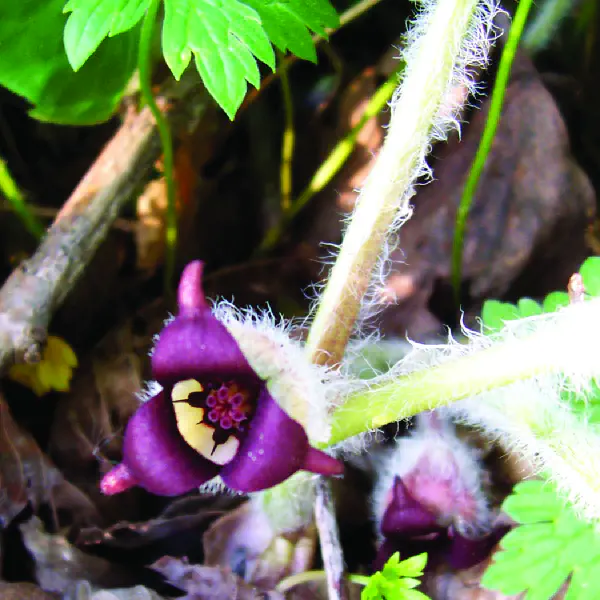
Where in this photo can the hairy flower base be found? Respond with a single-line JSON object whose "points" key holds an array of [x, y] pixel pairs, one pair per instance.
{"points": [[214, 415]]}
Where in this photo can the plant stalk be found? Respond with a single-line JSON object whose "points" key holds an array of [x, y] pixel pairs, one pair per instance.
{"points": [[383, 203], [503, 363], [164, 132], [487, 139]]}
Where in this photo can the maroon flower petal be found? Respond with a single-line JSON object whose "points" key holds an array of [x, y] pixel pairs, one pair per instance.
{"points": [[405, 516], [464, 552], [195, 344], [274, 449], [156, 457]]}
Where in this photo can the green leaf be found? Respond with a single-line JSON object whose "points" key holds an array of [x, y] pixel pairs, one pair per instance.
{"points": [[390, 584], [227, 36], [529, 308], [551, 544], [34, 65], [532, 502], [494, 313], [413, 566], [590, 272], [91, 21], [224, 36], [286, 23], [555, 300]]}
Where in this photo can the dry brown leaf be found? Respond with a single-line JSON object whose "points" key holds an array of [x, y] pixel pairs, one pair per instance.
{"points": [[209, 583], [28, 476], [59, 565], [86, 433], [23, 591], [175, 532], [244, 541], [82, 590]]}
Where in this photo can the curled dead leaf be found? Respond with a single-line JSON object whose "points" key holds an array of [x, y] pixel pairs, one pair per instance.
{"points": [[208, 583]]}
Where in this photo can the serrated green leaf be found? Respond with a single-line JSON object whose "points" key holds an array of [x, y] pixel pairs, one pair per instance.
{"points": [[547, 585], [413, 566], [523, 537], [91, 21], [538, 557], [41, 72], [590, 272], [224, 36], [585, 583], [408, 583], [387, 584], [532, 502], [287, 22], [555, 300]]}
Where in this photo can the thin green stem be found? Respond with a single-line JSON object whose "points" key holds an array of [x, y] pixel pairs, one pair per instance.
{"points": [[487, 139], [543, 27], [12, 193], [292, 581], [332, 164], [288, 140], [438, 37], [145, 70]]}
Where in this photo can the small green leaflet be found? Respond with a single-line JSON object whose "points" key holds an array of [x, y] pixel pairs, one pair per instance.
{"points": [[550, 544], [91, 21], [397, 580], [494, 314]]}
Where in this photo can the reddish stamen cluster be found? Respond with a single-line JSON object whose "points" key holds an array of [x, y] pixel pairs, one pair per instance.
{"points": [[229, 406]]}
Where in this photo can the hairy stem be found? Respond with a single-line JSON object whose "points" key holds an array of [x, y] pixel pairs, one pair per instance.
{"points": [[164, 132], [478, 370], [385, 196]]}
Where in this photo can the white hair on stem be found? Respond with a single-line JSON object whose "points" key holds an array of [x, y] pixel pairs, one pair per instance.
{"points": [[511, 385], [447, 39]]}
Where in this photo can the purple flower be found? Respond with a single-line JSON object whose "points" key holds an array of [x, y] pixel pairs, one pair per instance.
{"points": [[214, 415], [411, 528]]}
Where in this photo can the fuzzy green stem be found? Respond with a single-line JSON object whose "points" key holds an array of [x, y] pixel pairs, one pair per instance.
{"points": [[13, 194], [332, 164], [385, 196], [164, 132], [481, 371], [487, 139]]}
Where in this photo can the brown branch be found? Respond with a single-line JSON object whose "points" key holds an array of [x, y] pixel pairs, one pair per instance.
{"points": [[34, 291], [329, 538]]}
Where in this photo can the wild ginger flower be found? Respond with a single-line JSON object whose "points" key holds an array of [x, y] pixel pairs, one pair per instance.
{"points": [[213, 416], [430, 499]]}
